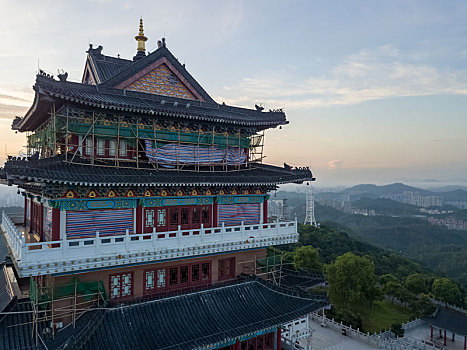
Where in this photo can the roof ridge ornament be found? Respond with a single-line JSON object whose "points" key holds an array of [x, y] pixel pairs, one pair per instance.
{"points": [[141, 39]]}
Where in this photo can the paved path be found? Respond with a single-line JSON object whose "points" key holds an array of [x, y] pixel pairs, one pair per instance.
{"points": [[325, 338]]}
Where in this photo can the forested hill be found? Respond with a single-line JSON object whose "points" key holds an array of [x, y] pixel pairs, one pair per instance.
{"points": [[333, 240], [439, 249]]}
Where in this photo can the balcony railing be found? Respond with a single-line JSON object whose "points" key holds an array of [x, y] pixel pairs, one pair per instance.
{"points": [[106, 251]]}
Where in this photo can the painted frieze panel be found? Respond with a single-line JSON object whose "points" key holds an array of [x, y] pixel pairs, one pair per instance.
{"points": [[166, 202], [240, 199]]}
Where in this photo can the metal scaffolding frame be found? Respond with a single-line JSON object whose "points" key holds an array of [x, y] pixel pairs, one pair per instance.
{"points": [[118, 140], [45, 311]]}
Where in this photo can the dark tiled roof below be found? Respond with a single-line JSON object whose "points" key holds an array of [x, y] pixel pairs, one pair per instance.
{"points": [[55, 170], [291, 279], [199, 319], [16, 328], [6, 293], [193, 320]]}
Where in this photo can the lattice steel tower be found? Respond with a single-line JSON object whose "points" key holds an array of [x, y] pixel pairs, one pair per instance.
{"points": [[310, 206]]}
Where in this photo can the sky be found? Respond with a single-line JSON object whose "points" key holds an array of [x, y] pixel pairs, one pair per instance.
{"points": [[375, 91]]}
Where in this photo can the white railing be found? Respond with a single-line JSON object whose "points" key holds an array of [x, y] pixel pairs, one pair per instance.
{"points": [[102, 251], [13, 237]]}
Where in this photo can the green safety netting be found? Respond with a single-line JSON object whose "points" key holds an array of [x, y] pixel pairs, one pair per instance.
{"points": [[131, 131], [84, 289]]}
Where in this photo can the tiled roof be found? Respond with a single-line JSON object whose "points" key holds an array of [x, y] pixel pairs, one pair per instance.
{"points": [[198, 319], [138, 65], [301, 280], [97, 96], [56, 170], [451, 320], [205, 317], [6, 293], [106, 67], [16, 328]]}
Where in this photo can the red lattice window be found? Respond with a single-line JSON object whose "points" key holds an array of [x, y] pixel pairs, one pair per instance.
{"points": [[173, 276], [184, 274], [195, 216], [121, 285], [205, 215], [195, 273], [205, 271], [174, 216], [184, 216]]}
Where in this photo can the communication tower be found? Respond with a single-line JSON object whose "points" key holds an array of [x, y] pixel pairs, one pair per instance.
{"points": [[310, 206]]}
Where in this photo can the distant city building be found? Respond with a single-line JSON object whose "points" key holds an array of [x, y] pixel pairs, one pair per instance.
{"points": [[346, 207], [415, 198], [449, 223], [277, 209], [457, 204]]}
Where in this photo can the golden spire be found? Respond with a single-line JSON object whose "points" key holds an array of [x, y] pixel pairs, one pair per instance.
{"points": [[140, 38]]}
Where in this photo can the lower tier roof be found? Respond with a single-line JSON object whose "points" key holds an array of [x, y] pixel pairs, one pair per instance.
{"points": [[204, 318], [56, 170], [218, 315]]}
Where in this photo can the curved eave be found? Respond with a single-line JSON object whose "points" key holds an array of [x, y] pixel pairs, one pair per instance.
{"points": [[22, 126], [149, 111], [19, 180]]}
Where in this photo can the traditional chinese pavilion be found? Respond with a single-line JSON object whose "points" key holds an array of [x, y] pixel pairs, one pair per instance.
{"points": [[140, 191]]}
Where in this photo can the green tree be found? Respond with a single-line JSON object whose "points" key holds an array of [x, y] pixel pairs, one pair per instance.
{"points": [[415, 283], [397, 329], [386, 278], [393, 289], [307, 258], [352, 277], [445, 290]]}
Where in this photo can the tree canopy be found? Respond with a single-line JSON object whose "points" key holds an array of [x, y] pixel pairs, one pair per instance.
{"points": [[352, 277], [415, 283], [445, 290], [307, 258]]}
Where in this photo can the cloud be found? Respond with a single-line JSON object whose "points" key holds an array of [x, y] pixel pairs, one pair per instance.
{"points": [[8, 112], [334, 164], [370, 74]]}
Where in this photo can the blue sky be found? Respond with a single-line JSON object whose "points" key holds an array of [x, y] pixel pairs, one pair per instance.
{"points": [[375, 91]]}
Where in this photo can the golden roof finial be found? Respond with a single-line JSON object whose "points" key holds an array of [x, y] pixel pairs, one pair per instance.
{"points": [[140, 38]]}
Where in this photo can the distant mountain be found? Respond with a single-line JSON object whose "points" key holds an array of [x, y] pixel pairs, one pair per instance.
{"points": [[448, 188], [457, 195], [374, 191]]}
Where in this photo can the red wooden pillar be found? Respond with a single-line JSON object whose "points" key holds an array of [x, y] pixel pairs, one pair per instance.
{"points": [[214, 213], [444, 336], [139, 218], [279, 341], [237, 345], [431, 334], [265, 211], [465, 342], [55, 226]]}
